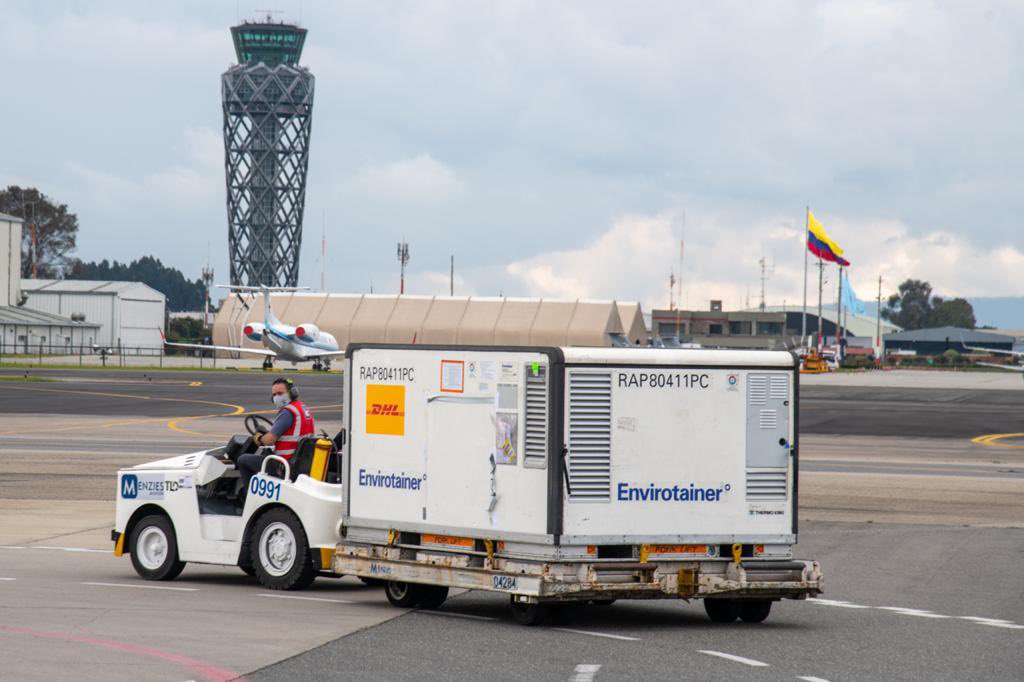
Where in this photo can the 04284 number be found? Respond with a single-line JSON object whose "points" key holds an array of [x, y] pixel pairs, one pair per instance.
{"points": [[265, 488]]}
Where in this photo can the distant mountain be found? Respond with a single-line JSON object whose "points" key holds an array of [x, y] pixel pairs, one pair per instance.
{"points": [[1003, 312]]}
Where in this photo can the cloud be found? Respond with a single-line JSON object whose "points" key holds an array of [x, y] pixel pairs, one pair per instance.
{"points": [[420, 178], [632, 258]]}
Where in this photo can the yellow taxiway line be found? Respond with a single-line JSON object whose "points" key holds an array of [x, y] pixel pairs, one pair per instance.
{"points": [[993, 439]]}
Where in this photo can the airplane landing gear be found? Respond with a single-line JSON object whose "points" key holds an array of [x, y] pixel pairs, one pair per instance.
{"points": [[268, 363], [317, 365]]}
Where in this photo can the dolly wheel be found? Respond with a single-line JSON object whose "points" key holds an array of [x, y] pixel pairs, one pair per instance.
{"points": [[432, 596], [402, 595], [722, 610], [526, 613], [755, 610]]}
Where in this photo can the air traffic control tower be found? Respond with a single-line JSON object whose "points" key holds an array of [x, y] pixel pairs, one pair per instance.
{"points": [[268, 105]]}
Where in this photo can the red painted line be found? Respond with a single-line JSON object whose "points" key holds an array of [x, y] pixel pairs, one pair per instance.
{"points": [[206, 671]]}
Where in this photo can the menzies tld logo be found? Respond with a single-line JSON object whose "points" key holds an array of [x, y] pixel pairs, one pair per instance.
{"points": [[385, 409]]}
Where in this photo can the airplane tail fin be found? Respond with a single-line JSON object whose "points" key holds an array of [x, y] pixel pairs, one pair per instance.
{"points": [[268, 314]]}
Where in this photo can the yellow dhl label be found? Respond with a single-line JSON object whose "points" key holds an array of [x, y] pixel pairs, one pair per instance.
{"points": [[385, 409], [450, 540]]}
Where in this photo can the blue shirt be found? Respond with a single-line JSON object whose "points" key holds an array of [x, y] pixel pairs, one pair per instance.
{"points": [[283, 422]]}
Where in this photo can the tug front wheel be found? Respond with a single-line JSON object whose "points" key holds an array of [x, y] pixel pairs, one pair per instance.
{"points": [[154, 548]]}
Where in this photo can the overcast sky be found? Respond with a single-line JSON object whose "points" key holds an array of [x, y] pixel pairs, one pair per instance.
{"points": [[557, 149]]}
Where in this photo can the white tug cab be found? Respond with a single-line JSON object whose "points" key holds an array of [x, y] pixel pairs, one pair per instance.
{"points": [[283, 528]]}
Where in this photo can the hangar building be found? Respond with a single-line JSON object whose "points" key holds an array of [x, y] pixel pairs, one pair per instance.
{"points": [[940, 339], [128, 314], [369, 318], [23, 330]]}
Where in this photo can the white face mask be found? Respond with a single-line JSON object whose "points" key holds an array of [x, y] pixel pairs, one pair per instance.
{"points": [[281, 399]]}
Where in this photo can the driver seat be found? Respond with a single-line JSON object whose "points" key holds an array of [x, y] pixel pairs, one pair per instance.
{"points": [[312, 457]]}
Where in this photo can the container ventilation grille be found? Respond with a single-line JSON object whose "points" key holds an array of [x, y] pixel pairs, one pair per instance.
{"points": [[766, 484], [757, 389], [535, 428], [590, 436], [779, 389], [768, 419]]}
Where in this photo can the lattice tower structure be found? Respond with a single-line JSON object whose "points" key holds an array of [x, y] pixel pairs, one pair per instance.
{"points": [[268, 103]]}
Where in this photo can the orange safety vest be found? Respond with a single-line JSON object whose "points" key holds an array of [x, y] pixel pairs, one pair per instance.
{"points": [[302, 426]]}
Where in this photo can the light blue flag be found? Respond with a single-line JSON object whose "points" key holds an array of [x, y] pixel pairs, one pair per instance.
{"points": [[850, 300]]}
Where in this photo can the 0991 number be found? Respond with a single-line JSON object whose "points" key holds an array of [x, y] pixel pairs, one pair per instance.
{"points": [[265, 488]]}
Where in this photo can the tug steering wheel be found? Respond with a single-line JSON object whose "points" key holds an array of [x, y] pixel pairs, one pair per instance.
{"points": [[255, 423]]}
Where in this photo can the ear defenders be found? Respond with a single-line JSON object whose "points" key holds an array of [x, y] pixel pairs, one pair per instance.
{"points": [[293, 392]]}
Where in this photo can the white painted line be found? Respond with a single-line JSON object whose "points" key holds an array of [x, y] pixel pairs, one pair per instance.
{"points": [[993, 622], [986, 621], [584, 672], [76, 549], [1008, 626], [738, 659], [911, 612], [146, 587], [10, 547], [598, 634], [835, 602], [454, 615], [8, 578], [812, 678], [291, 596]]}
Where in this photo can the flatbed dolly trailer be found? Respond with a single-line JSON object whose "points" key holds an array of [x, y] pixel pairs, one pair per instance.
{"points": [[567, 475]]}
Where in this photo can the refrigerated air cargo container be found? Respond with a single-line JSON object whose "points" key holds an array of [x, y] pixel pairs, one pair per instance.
{"points": [[562, 475]]}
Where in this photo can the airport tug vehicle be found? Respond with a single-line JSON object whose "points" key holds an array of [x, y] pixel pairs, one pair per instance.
{"points": [[557, 476], [283, 528]]}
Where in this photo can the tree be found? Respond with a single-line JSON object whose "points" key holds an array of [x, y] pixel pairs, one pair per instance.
{"points": [[911, 307], [914, 307], [55, 231], [956, 312], [181, 293]]}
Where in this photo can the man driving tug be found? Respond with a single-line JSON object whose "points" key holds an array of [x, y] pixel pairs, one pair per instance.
{"points": [[294, 421]]}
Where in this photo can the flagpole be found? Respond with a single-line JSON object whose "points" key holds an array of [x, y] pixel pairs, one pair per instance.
{"points": [[803, 318], [839, 313], [821, 284]]}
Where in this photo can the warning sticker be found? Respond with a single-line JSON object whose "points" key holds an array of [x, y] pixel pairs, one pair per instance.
{"points": [[385, 409], [453, 376]]}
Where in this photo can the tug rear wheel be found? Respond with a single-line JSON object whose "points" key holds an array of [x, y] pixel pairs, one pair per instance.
{"points": [[280, 552]]}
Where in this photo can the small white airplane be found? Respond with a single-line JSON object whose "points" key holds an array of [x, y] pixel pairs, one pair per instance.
{"points": [[1014, 353], [282, 342]]}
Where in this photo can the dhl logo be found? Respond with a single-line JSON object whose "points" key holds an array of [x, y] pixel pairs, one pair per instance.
{"points": [[385, 410]]}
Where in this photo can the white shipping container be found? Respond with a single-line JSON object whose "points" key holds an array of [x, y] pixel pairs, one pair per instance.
{"points": [[557, 463]]}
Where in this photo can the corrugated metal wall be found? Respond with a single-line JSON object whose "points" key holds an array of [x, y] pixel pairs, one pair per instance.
{"points": [[427, 319]]}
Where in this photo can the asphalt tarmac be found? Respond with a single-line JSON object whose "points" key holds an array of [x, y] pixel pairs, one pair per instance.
{"points": [[824, 409], [902, 603]]}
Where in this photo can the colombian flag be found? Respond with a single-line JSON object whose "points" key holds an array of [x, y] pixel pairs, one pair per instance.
{"points": [[821, 245]]}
